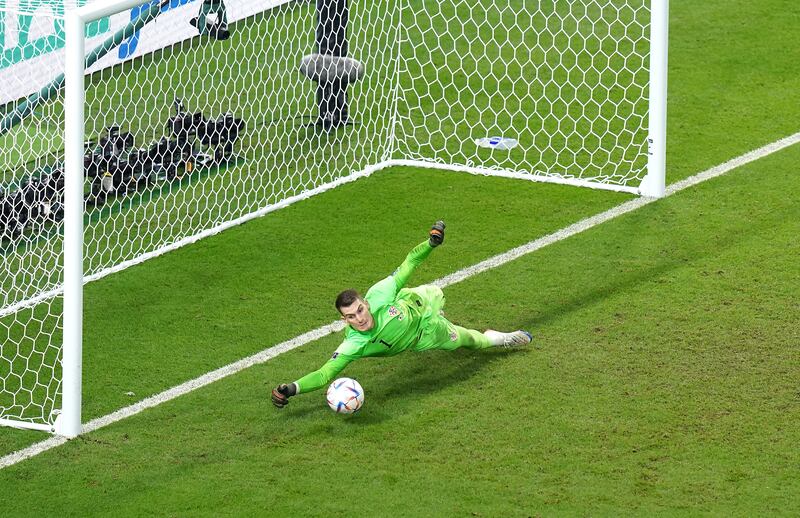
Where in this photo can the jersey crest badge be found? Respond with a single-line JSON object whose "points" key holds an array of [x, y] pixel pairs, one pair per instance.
{"points": [[453, 336], [394, 312]]}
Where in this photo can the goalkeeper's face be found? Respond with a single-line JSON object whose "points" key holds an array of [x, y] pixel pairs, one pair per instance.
{"points": [[357, 315]]}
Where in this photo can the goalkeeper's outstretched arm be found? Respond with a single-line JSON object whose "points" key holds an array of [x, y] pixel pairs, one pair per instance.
{"points": [[418, 254], [325, 374], [311, 381]]}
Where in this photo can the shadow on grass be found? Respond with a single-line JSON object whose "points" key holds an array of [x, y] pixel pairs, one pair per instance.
{"points": [[644, 258], [400, 383]]}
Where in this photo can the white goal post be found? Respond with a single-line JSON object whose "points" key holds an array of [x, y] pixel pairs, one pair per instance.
{"points": [[176, 119]]}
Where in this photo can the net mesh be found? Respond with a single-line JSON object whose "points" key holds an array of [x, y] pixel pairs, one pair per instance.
{"points": [[567, 81], [30, 230]]}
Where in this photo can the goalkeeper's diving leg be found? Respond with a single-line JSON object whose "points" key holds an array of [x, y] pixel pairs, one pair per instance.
{"points": [[440, 333], [443, 334]]}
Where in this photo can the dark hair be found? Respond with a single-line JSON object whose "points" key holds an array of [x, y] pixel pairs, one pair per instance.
{"points": [[346, 298]]}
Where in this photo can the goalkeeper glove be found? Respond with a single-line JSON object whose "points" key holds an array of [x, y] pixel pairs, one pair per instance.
{"points": [[437, 234], [282, 393]]}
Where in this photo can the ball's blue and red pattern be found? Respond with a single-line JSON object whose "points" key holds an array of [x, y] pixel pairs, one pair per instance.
{"points": [[345, 396]]}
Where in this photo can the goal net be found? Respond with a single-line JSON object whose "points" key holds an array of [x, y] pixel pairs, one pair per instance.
{"points": [[196, 115]]}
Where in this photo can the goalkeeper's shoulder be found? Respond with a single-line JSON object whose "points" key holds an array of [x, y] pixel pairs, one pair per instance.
{"points": [[352, 345]]}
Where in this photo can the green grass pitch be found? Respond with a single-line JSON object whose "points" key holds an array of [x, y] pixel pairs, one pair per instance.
{"points": [[663, 380]]}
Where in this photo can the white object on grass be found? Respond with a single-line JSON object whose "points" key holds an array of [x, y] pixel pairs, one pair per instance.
{"points": [[324, 68], [345, 396], [496, 142]]}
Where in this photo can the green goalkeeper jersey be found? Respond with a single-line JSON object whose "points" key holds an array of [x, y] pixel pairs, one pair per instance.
{"points": [[399, 314]]}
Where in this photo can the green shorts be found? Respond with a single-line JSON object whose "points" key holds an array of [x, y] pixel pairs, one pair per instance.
{"points": [[437, 331]]}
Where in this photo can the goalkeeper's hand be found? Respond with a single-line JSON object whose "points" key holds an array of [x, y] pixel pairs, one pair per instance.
{"points": [[437, 234], [282, 393]]}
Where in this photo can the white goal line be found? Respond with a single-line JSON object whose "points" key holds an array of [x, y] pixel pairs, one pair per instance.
{"points": [[320, 332]]}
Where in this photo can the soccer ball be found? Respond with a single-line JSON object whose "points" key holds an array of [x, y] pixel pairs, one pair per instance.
{"points": [[345, 396]]}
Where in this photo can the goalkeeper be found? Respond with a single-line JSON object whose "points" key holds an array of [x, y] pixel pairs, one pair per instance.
{"points": [[390, 319]]}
